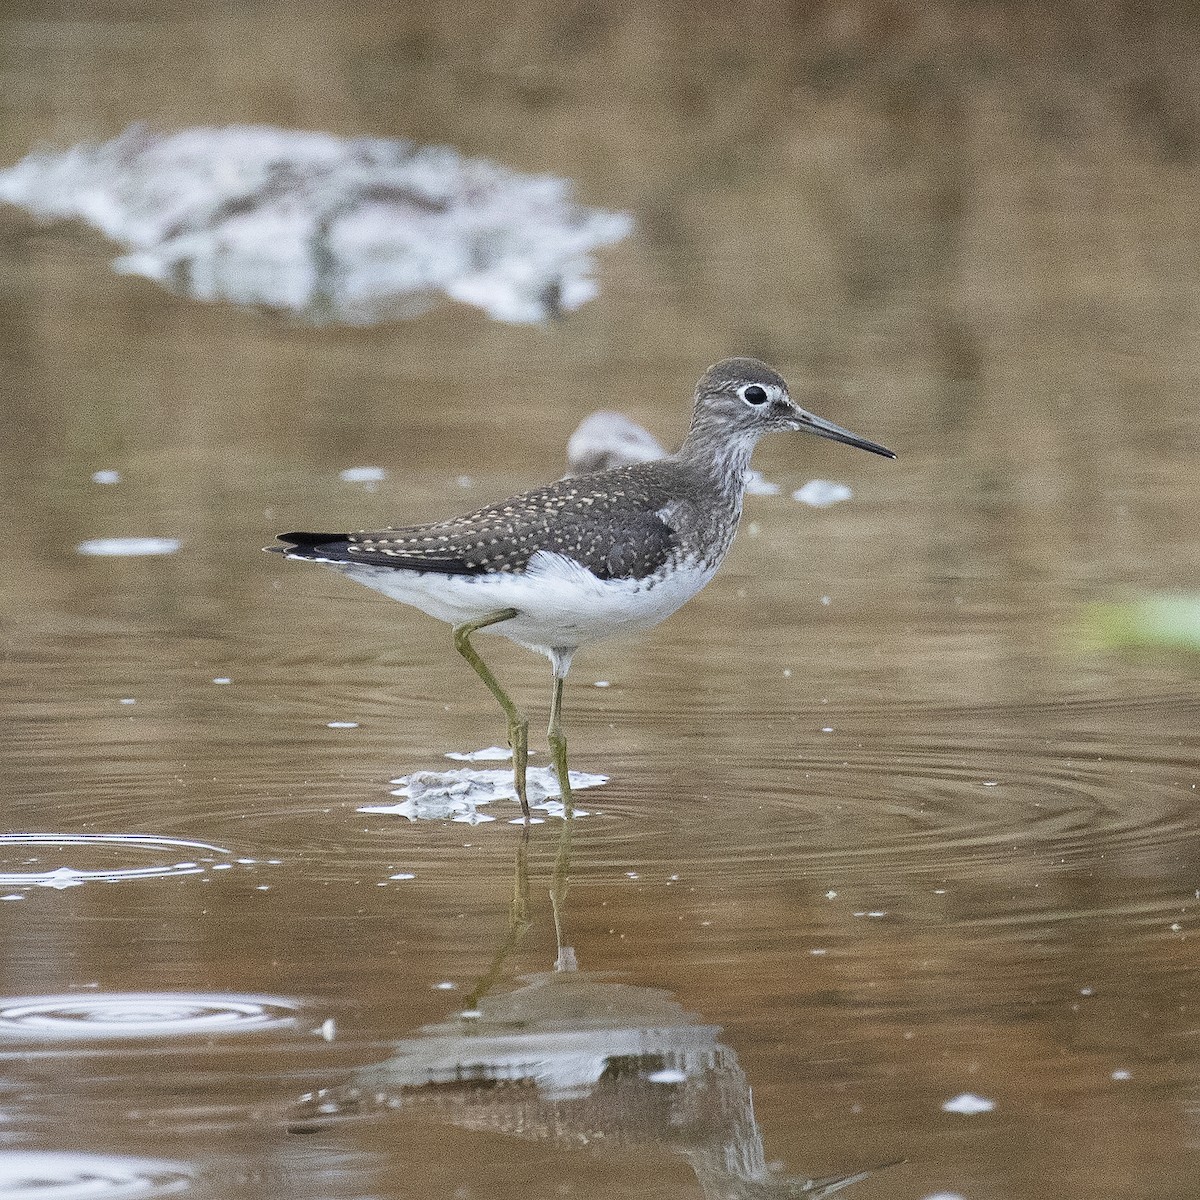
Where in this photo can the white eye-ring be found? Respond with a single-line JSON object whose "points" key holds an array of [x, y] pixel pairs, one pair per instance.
{"points": [[754, 393]]}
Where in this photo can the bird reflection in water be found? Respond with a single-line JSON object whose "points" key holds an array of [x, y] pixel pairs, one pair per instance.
{"points": [[576, 1060]]}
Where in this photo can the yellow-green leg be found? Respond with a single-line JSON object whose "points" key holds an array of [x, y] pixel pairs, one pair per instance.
{"points": [[518, 726], [558, 744]]}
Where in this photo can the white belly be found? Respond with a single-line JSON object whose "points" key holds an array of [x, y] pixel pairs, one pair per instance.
{"points": [[560, 605]]}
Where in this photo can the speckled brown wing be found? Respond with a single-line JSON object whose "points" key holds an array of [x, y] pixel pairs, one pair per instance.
{"points": [[618, 529]]}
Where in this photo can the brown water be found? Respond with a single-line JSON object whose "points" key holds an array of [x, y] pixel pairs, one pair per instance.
{"points": [[904, 806]]}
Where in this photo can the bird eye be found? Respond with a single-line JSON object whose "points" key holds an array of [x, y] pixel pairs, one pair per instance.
{"points": [[753, 394]]}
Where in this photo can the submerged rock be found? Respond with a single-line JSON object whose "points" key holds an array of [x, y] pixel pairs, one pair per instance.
{"points": [[610, 439], [356, 230]]}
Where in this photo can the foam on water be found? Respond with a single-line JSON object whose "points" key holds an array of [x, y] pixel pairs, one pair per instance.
{"points": [[128, 547], [362, 475], [457, 795], [821, 493], [63, 1175], [351, 229], [968, 1105]]}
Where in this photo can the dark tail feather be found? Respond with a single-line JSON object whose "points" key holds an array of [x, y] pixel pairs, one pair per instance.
{"points": [[310, 539], [331, 546]]}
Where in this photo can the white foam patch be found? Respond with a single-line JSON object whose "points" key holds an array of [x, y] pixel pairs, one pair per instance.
{"points": [[968, 1104], [756, 485], [488, 754], [821, 493], [352, 229], [129, 547], [667, 1075], [362, 475], [106, 476], [458, 795], [63, 1175]]}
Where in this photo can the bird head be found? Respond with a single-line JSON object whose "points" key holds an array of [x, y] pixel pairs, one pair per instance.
{"points": [[746, 397]]}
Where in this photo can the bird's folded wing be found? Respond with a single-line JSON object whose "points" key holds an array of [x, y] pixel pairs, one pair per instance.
{"points": [[636, 545]]}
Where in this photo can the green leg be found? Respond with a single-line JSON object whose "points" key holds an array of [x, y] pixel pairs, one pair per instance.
{"points": [[558, 744], [562, 860], [518, 726]]}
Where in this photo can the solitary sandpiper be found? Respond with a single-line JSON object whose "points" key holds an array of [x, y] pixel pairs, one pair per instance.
{"points": [[584, 558]]}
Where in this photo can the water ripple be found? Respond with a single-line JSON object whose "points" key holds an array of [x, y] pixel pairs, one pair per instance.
{"points": [[933, 809], [91, 1017], [63, 875]]}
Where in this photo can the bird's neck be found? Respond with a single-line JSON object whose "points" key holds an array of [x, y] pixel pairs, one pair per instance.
{"points": [[720, 454]]}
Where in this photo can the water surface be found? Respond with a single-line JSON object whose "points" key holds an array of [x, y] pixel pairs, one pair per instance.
{"points": [[901, 808]]}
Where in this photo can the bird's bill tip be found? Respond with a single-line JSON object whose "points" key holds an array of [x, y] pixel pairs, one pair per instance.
{"points": [[809, 423]]}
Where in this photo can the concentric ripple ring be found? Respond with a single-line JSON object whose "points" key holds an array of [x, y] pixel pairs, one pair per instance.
{"points": [[104, 1016], [186, 858]]}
